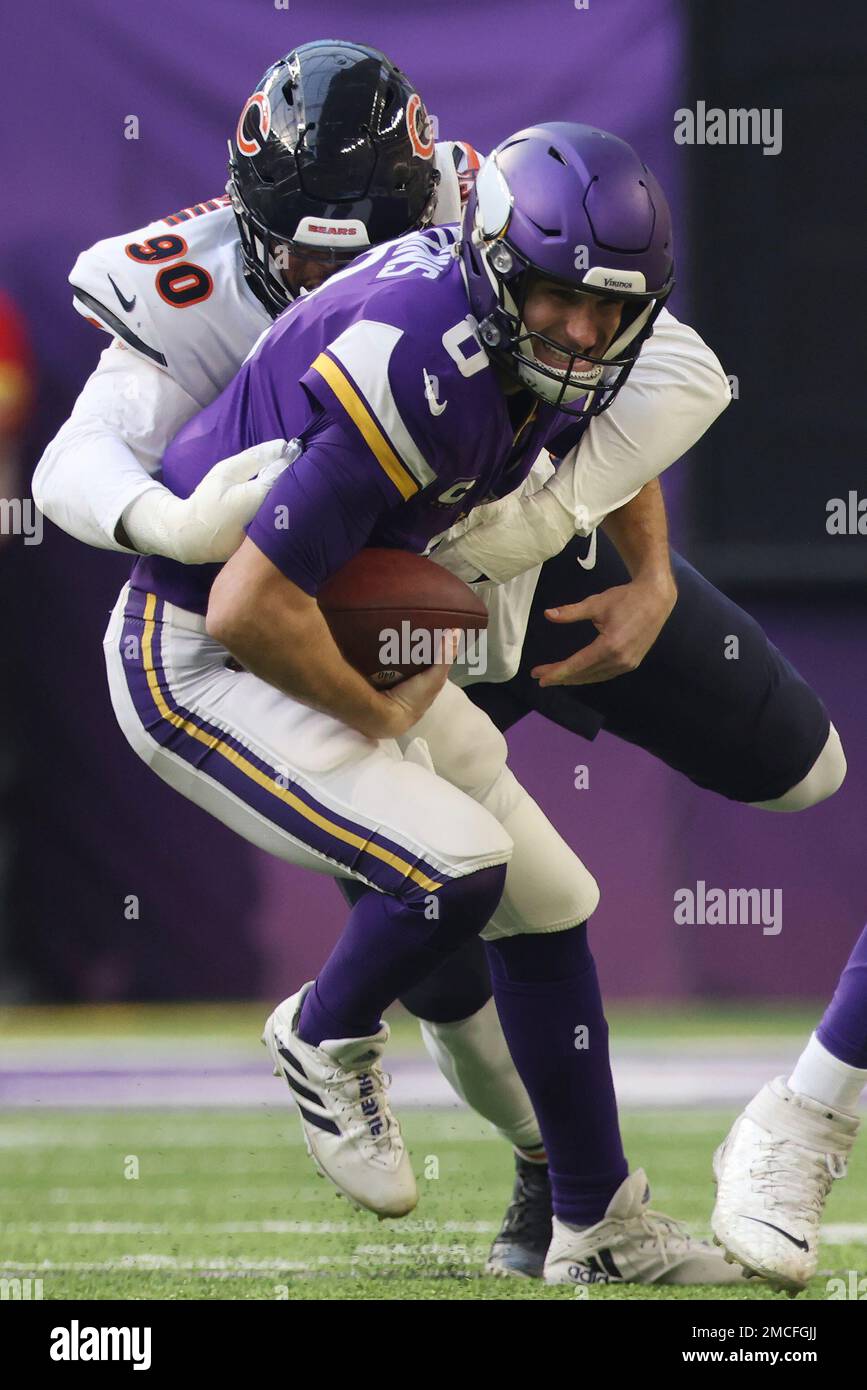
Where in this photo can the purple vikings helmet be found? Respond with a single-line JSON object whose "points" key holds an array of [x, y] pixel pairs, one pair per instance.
{"points": [[575, 205]]}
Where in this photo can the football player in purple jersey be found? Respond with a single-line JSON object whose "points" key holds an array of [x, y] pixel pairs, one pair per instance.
{"points": [[97, 481], [407, 790], [185, 299]]}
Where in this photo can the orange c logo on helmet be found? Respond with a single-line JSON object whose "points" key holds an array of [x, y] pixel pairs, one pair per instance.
{"points": [[418, 125], [261, 129]]}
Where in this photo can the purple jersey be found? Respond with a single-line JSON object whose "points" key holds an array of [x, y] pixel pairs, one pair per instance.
{"points": [[381, 376]]}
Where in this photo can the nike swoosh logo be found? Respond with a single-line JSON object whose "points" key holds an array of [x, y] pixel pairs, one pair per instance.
{"points": [[128, 304], [801, 1244], [589, 560]]}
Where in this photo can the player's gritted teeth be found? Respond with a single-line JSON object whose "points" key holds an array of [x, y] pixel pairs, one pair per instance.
{"points": [[550, 356], [584, 323]]}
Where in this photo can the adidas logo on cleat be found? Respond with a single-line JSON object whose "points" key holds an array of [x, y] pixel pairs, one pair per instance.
{"points": [[594, 1272]]}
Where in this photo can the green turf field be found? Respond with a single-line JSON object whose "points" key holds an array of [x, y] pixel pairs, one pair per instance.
{"points": [[225, 1204], [740, 1022]]}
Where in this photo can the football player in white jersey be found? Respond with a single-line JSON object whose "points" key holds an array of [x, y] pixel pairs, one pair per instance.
{"points": [[185, 299]]}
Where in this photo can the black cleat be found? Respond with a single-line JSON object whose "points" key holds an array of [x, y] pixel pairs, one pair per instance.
{"points": [[522, 1242]]}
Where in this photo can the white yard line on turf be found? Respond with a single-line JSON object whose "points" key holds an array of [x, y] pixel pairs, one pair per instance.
{"points": [[236, 1228], [369, 1258], [206, 1263], [834, 1233]]}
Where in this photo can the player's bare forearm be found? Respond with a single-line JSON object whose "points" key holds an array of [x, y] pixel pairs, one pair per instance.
{"points": [[639, 530], [277, 632], [629, 617]]}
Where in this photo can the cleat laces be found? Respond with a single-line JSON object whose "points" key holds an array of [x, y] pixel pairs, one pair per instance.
{"points": [[360, 1100], [667, 1235], [793, 1179]]}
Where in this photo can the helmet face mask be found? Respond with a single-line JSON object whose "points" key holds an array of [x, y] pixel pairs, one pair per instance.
{"points": [[333, 153], [585, 384], [277, 265], [572, 208]]}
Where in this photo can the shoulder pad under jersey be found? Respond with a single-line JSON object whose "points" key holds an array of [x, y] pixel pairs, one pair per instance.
{"points": [[174, 291]]}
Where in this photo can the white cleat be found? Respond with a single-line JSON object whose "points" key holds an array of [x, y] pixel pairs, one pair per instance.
{"points": [[773, 1174], [339, 1088], [634, 1245]]}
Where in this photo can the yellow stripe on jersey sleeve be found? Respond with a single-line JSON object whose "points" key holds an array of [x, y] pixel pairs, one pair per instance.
{"points": [[366, 425]]}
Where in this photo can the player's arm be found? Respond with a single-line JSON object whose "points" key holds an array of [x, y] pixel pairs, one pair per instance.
{"points": [[95, 479], [679, 391], [629, 617], [277, 631], [639, 530], [675, 391], [263, 608]]}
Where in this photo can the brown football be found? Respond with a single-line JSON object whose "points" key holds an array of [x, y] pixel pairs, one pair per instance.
{"points": [[389, 610]]}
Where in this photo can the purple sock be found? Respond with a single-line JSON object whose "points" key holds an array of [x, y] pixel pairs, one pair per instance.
{"points": [[546, 990], [843, 1029], [388, 945]]}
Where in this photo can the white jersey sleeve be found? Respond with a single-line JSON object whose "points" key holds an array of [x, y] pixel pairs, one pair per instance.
{"points": [[174, 297], [175, 293], [675, 391], [104, 456], [673, 394]]}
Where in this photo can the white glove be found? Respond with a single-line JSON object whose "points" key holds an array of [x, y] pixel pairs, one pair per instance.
{"points": [[510, 536], [208, 526]]}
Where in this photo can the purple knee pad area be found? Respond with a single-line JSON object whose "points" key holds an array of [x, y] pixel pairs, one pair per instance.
{"points": [[456, 990]]}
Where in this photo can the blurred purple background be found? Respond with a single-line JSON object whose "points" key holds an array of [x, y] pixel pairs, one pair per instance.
{"points": [[92, 826]]}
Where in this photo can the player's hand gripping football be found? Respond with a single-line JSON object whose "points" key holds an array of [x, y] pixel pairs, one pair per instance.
{"points": [[414, 697], [208, 526], [628, 618]]}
